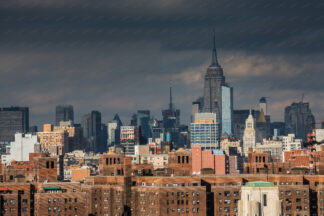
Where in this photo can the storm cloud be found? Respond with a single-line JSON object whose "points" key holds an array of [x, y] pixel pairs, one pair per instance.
{"points": [[118, 56]]}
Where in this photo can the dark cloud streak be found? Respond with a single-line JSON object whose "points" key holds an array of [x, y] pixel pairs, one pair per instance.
{"points": [[117, 56]]}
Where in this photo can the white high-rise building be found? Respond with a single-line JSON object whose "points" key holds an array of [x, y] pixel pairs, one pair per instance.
{"points": [[249, 137], [112, 127], [205, 131], [19, 149], [289, 143]]}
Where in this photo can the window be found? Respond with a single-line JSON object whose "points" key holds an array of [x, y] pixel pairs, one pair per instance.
{"points": [[264, 199]]}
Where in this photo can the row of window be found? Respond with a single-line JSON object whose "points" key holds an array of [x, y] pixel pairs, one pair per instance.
{"points": [[297, 192], [59, 209], [228, 193], [59, 200], [227, 209], [182, 202], [179, 210], [183, 194]]}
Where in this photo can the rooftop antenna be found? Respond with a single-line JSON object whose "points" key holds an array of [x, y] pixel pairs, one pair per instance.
{"points": [[171, 104]]}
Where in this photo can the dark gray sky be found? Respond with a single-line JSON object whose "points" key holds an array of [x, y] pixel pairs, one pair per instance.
{"points": [[117, 56]]}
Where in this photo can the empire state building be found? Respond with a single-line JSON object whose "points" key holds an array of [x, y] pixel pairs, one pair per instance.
{"points": [[214, 80]]}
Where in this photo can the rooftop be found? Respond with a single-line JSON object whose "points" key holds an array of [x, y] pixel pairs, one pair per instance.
{"points": [[259, 184]]}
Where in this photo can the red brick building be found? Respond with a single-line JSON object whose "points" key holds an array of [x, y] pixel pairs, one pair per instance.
{"points": [[180, 162], [207, 159]]}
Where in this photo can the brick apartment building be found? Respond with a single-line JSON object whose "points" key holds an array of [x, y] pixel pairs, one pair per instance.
{"points": [[300, 162], [39, 168], [180, 162], [119, 189]]}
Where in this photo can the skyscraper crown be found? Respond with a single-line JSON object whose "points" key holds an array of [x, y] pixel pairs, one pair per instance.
{"points": [[214, 54]]}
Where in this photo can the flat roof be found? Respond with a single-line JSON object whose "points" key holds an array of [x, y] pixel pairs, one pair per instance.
{"points": [[259, 184]]}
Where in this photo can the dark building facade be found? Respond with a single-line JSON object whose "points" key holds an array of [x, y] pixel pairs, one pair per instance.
{"points": [[299, 120], [92, 130], [277, 128], [171, 122], [64, 113], [143, 120], [12, 120]]}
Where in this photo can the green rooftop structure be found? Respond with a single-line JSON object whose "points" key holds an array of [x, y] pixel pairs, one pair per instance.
{"points": [[52, 188], [259, 184]]}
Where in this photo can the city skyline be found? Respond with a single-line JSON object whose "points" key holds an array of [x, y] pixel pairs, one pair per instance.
{"points": [[99, 62]]}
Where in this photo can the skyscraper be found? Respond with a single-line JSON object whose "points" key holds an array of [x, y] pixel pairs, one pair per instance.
{"points": [[227, 110], [113, 128], [205, 131], [64, 113], [143, 120], [171, 116], [299, 120], [171, 122], [214, 80], [129, 137], [12, 120], [263, 105], [249, 136], [92, 130]]}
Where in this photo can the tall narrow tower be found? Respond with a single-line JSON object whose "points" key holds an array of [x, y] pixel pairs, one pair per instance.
{"points": [[170, 104], [249, 137], [214, 80]]}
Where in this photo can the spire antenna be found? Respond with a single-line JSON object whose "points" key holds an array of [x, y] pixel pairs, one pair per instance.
{"points": [[171, 104], [214, 54]]}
